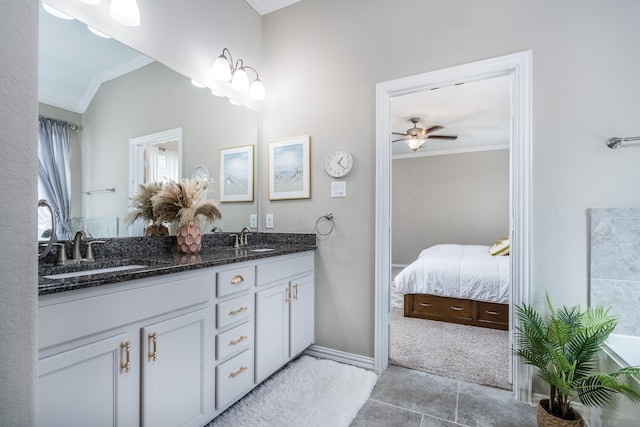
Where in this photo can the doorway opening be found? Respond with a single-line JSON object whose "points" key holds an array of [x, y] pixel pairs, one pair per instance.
{"points": [[518, 66]]}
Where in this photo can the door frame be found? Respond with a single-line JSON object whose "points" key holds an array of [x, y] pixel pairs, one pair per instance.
{"points": [[519, 66]]}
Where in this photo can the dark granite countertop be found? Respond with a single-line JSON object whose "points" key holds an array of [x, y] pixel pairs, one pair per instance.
{"points": [[151, 263]]}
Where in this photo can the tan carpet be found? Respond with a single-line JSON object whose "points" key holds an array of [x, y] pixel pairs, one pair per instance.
{"points": [[468, 353]]}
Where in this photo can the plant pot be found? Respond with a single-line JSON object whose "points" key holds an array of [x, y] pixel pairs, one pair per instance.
{"points": [[545, 419], [189, 238], [156, 230]]}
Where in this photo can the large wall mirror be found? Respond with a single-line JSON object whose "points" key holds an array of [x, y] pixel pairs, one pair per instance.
{"points": [[122, 103]]}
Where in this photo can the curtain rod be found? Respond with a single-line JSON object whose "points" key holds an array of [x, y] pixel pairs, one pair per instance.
{"points": [[71, 125], [617, 141]]}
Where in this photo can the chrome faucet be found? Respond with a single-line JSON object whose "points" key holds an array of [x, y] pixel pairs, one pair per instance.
{"points": [[244, 234]]}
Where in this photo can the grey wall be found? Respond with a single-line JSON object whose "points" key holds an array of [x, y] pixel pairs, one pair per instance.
{"points": [[455, 198], [18, 201], [323, 59]]}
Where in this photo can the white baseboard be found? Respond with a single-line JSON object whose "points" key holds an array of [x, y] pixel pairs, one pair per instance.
{"points": [[341, 356]]}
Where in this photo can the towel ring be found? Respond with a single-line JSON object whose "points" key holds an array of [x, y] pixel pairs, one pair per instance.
{"points": [[327, 217]]}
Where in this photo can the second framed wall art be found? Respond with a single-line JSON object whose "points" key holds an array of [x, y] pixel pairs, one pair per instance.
{"points": [[289, 169]]}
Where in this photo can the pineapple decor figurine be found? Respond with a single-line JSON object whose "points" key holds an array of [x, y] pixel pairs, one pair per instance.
{"points": [[184, 202]]}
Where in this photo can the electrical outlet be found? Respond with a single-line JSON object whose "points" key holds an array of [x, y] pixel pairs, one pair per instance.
{"points": [[253, 220], [269, 221]]}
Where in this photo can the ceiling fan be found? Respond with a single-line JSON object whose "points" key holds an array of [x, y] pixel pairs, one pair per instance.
{"points": [[416, 136]]}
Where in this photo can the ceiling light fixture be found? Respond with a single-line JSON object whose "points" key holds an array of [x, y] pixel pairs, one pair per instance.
{"points": [[98, 33], [224, 69], [125, 12]]}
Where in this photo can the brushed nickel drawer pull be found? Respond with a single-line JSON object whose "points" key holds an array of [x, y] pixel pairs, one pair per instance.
{"points": [[237, 279], [127, 364], [239, 340], [457, 308], [238, 311], [424, 304], [295, 291], [288, 298], [493, 313], [154, 340], [238, 372]]}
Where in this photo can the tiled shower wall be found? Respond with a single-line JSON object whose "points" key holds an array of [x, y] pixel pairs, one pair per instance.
{"points": [[615, 265]]}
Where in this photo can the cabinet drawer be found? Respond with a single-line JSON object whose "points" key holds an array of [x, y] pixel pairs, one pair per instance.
{"points": [[273, 271], [233, 378], [235, 310], [235, 280], [492, 312], [438, 306], [234, 340]]}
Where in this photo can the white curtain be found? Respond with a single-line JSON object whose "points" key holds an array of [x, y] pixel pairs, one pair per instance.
{"points": [[54, 171], [151, 163]]}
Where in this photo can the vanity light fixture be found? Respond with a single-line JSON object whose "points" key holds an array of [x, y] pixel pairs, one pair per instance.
{"points": [[91, 2], [197, 83], [55, 12], [125, 12], [98, 33], [224, 69]]}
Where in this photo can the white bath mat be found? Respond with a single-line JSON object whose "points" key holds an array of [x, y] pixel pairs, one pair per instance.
{"points": [[308, 392]]}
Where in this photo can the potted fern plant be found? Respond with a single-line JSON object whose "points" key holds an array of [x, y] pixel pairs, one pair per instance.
{"points": [[563, 345]]}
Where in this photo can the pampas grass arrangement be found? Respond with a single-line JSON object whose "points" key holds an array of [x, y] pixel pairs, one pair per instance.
{"points": [[183, 202], [143, 209]]}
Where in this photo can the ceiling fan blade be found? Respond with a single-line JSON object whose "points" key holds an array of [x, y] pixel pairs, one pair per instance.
{"points": [[396, 140], [448, 137], [398, 133], [433, 129]]}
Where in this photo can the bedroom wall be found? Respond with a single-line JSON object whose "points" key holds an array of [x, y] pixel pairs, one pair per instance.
{"points": [[323, 59], [455, 198]]}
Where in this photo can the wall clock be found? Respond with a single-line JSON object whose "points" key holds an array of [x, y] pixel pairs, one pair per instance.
{"points": [[338, 162], [201, 173]]}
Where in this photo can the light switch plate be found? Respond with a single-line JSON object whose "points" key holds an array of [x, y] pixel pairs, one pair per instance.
{"points": [[253, 220], [269, 221], [339, 189]]}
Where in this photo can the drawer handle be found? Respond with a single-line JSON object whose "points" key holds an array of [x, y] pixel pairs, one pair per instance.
{"points": [[457, 308], [127, 348], [493, 313], [238, 311], [239, 340], [425, 304], [238, 372], [295, 291], [288, 298], [154, 340], [237, 279]]}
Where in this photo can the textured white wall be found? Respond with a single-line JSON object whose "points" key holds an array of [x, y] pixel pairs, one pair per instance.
{"points": [[456, 198], [323, 59], [18, 201]]}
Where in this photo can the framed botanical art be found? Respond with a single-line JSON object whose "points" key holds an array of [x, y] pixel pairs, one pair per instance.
{"points": [[236, 174], [289, 174]]}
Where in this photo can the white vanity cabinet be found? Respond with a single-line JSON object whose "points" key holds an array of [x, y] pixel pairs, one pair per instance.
{"points": [[171, 350], [284, 312], [97, 348]]}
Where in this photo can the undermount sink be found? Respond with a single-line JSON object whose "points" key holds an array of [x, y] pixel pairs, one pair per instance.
{"points": [[94, 271]]}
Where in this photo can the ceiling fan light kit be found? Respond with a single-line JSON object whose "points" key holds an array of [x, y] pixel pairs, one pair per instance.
{"points": [[415, 136]]}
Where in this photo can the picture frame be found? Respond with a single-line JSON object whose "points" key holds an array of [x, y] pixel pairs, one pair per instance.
{"points": [[236, 174], [289, 169]]}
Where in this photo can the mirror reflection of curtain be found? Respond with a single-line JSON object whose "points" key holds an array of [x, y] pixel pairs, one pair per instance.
{"points": [[54, 171], [150, 173], [171, 158]]}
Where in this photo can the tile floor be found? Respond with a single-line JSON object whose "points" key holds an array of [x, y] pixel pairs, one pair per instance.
{"points": [[407, 398]]}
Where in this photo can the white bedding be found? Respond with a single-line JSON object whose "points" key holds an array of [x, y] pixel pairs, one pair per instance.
{"points": [[460, 271]]}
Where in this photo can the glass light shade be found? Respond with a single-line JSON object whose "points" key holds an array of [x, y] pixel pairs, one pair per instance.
{"points": [[125, 12], [98, 33], [221, 69], [233, 102], [240, 80], [414, 143], [256, 91], [197, 83], [91, 2], [216, 93], [55, 12]]}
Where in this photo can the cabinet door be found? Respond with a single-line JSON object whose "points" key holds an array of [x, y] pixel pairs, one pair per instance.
{"points": [[177, 382], [302, 315], [272, 330], [89, 385]]}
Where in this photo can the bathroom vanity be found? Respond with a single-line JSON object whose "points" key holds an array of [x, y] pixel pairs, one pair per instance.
{"points": [[171, 344]]}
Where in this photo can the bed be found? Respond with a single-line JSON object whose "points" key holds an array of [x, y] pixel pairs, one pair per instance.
{"points": [[459, 284]]}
